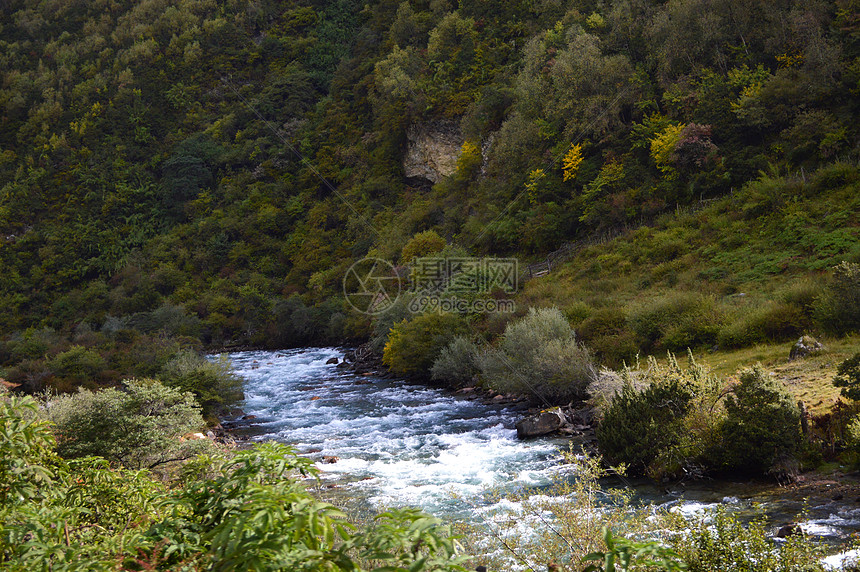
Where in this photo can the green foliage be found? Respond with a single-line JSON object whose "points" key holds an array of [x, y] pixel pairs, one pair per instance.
{"points": [[26, 452], [457, 364], [414, 345], [141, 426], [644, 429], [762, 425], [146, 170], [245, 513], [848, 377], [676, 322], [422, 244], [623, 554], [838, 310], [538, 355], [78, 363], [772, 322], [212, 382], [720, 541]]}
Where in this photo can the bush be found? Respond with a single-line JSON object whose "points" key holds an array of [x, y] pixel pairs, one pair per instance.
{"points": [[250, 512], [720, 541], [772, 322], [414, 345], [676, 322], [606, 333], [458, 363], [213, 383], [838, 310], [137, 427], [642, 429], [848, 377], [77, 363], [668, 426], [422, 244], [762, 425], [539, 355]]}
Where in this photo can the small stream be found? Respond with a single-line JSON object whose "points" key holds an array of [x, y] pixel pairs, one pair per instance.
{"points": [[381, 443]]}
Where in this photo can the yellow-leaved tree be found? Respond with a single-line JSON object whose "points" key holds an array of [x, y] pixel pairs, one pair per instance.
{"points": [[663, 146], [570, 163], [534, 188]]}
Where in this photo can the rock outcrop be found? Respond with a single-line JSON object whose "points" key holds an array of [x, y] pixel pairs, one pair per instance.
{"points": [[805, 346], [433, 150], [542, 423]]}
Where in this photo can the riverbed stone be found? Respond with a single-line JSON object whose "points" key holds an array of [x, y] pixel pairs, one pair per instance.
{"points": [[331, 361], [541, 423]]}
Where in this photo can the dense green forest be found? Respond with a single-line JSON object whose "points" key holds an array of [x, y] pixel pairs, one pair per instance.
{"points": [[223, 163]]}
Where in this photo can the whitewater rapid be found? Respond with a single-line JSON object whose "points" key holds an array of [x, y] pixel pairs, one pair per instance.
{"points": [[395, 444]]}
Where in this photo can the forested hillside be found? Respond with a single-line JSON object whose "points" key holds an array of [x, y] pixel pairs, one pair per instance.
{"points": [[209, 169]]}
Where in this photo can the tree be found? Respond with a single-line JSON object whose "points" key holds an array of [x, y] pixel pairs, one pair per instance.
{"points": [[848, 377], [139, 426], [762, 425], [414, 345]]}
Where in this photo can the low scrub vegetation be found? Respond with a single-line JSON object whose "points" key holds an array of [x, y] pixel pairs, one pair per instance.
{"points": [[141, 425], [679, 422], [538, 355], [245, 512]]}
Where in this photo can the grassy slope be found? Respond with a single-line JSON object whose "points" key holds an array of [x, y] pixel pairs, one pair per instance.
{"points": [[744, 252]]}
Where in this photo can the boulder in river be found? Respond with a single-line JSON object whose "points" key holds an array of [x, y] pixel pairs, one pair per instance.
{"points": [[331, 361], [541, 423]]}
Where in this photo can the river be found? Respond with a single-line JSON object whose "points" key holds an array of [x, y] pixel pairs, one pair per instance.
{"points": [[383, 443]]}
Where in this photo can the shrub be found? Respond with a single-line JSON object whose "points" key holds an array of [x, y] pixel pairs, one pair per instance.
{"points": [[772, 322], [539, 355], [213, 383], [838, 310], [605, 332], [676, 322], [762, 425], [250, 512], [77, 363], [720, 541], [848, 377], [26, 454], [666, 427], [139, 426], [414, 345], [457, 364], [422, 244]]}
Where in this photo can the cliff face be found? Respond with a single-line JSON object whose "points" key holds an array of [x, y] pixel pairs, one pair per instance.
{"points": [[433, 150]]}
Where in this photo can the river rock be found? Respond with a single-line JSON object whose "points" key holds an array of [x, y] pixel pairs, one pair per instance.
{"points": [[790, 529], [331, 361], [541, 423], [805, 346]]}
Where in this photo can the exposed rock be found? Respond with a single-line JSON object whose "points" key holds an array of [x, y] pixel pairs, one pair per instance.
{"points": [[433, 150], [790, 529], [805, 346], [330, 459], [331, 361], [542, 423], [9, 385]]}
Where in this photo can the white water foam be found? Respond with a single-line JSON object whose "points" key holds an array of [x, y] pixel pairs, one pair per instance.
{"points": [[396, 444]]}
